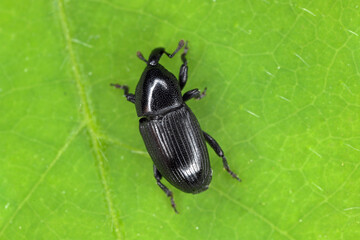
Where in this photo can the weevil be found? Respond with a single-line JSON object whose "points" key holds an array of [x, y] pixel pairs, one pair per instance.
{"points": [[171, 133]]}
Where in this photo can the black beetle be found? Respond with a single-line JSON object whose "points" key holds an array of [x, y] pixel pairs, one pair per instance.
{"points": [[171, 132]]}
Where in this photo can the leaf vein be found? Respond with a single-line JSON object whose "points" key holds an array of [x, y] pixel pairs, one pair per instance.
{"points": [[89, 118], [68, 141], [256, 214]]}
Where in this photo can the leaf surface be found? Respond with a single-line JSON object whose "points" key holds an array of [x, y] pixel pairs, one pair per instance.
{"points": [[283, 102]]}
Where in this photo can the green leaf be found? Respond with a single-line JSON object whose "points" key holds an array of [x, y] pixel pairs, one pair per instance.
{"points": [[283, 102]]}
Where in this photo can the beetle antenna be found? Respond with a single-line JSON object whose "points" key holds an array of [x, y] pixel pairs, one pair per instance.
{"points": [[180, 45], [139, 55]]}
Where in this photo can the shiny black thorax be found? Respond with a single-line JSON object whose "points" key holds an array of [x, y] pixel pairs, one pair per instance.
{"points": [[157, 92]]}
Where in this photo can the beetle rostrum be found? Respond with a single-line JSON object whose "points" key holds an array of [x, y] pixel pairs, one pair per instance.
{"points": [[171, 132]]}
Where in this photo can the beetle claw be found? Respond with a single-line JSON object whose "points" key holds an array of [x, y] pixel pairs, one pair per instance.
{"points": [[174, 206], [203, 94], [124, 87], [170, 195], [232, 174]]}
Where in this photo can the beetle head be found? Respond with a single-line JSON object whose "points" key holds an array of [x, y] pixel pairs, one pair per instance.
{"points": [[156, 54]]}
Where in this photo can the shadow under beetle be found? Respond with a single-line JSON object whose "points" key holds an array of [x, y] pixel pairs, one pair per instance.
{"points": [[171, 132]]}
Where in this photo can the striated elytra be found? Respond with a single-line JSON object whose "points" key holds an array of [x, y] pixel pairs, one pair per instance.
{"points": [[171, 132]]}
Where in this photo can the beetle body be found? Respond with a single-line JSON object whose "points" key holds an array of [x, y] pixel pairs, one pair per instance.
{"points": [[171, 132]]}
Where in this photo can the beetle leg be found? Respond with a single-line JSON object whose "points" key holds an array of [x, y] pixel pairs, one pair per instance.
{"points": [[194, 93], [214, 145], [183, 75], [158, 177], [129, 96]]}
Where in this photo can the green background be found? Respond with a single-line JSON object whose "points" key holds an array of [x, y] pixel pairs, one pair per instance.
{"points": [[283, 102]]}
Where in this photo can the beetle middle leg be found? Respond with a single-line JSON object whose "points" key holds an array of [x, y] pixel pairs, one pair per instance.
{"points": [[158, 177], [129, 96], [214, 145], [194, 93]]}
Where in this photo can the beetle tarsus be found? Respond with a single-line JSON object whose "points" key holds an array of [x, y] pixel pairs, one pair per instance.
{"points": [[172, 201], [124, 87], [168, 193], [129, 96], [194, 93], [201, 95], [227, 168]]}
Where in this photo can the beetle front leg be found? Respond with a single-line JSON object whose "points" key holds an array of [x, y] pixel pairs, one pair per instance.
{"points": [[158, 177], [183, 75], [214, 145], [129, 96], [194, 93]]}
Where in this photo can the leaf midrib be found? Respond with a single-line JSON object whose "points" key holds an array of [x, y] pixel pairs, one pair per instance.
{"points": [[89, 118]]}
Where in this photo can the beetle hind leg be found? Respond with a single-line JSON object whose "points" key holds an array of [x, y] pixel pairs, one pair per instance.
{"points": [[129, 96], [158, 177], [214, 145]]}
